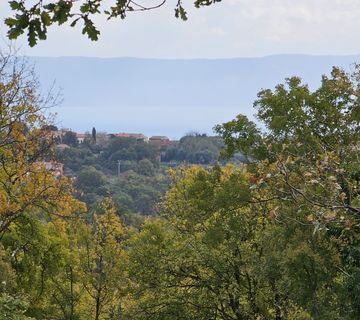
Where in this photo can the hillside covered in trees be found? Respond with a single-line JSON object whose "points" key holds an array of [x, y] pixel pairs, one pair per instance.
{"points": [[273, 236], [133, 172]]}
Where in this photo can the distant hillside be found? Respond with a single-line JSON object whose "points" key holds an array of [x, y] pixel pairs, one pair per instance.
{"points": [[169, 97]]}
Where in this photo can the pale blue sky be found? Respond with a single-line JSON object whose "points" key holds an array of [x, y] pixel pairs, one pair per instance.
{"points": [[232, 28]]}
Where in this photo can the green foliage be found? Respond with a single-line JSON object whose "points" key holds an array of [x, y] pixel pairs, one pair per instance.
{"points": [[101, 260], [13, 308], [70, 139], [312, 136], [134, 192], [242, 134], [196, 149], [219, 253], [146, 168], [143, 178], [90, 179]]}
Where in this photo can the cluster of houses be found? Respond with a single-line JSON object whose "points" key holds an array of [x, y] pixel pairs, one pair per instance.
{"points": [[156, 140]]}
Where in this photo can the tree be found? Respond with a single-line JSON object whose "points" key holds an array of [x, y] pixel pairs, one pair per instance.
{"points": [[93, 135], [26, 185], [90, 179], [194, 148], [70, 139], [310, 158], [102, 257], [312, 138], [36, 254], [220, 253], [52, 127], [37, 16], [65, 292], [145, 167]]}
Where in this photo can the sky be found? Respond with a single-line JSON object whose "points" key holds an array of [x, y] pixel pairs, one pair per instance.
{"points": [[231, 28]]}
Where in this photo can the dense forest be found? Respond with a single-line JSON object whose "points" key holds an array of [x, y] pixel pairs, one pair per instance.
{"points": [[273, 234]]}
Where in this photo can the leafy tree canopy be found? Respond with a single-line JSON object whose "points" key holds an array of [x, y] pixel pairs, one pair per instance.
{"points": [[220, 252], [312, 138]]}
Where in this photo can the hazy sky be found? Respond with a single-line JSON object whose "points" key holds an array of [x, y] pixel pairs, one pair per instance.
{"points": [[232, 28]]}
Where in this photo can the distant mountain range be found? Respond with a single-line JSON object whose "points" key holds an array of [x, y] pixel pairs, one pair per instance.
{"points": [[169, 97]]}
